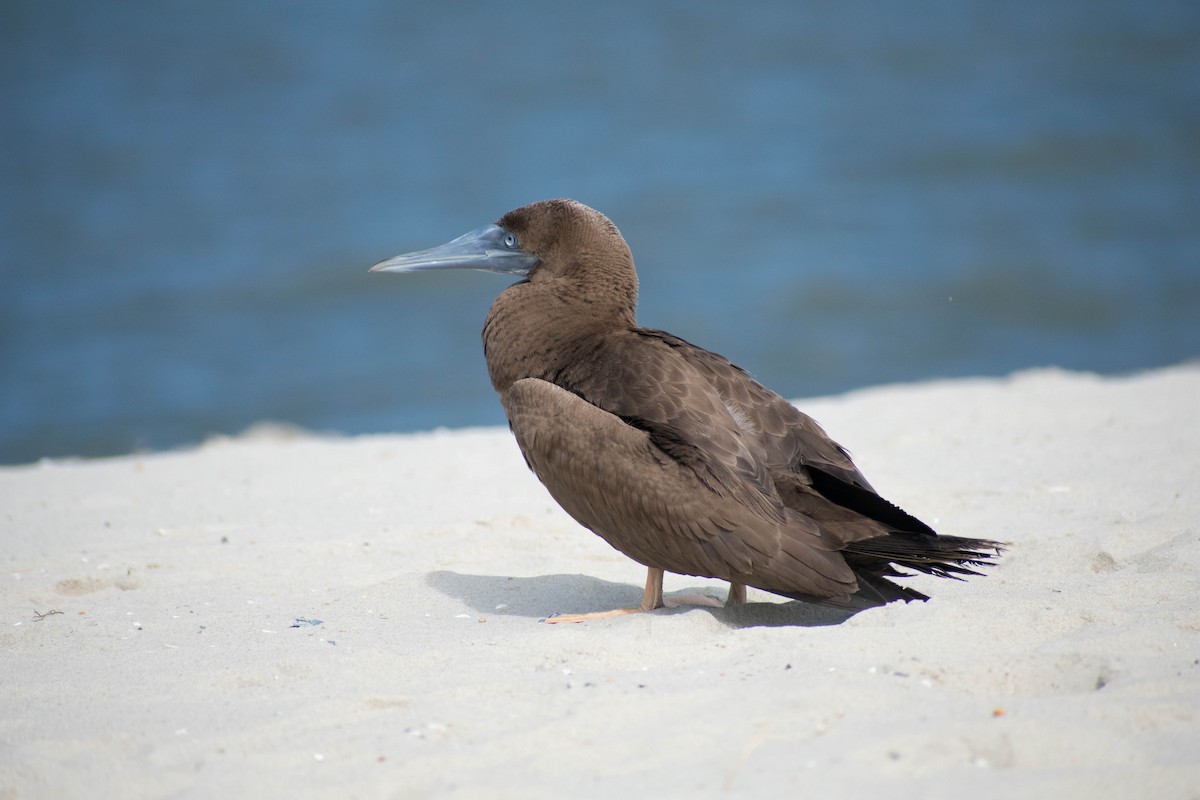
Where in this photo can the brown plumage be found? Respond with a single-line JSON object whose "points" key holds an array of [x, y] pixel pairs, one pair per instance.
{"points": [[669, 452]]}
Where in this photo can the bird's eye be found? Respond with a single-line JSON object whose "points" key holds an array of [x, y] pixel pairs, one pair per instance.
{"points": [[510, 241]]}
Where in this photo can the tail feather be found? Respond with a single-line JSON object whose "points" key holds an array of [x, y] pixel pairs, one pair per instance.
{"points": [[875, 560]]}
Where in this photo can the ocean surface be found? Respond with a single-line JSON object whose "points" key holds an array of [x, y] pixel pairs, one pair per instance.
{"points": [[833, 195]]}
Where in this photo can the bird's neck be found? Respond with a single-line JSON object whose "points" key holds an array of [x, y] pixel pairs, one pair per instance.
{"points": [[535, 331]]}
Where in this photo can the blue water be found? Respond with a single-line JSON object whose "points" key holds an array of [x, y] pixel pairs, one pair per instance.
{"points": [[833, 195]]}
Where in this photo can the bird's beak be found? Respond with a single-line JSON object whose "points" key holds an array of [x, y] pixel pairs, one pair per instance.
{"points": [[490, 248]]}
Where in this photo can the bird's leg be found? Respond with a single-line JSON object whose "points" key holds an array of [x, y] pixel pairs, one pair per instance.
{"points": [[737, 594], [652, 598]]}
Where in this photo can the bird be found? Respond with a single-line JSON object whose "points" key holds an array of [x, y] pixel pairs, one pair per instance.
{"points": [[669, 452]]}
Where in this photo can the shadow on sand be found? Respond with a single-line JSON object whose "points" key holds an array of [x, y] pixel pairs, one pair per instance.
{"points": [[544, 595]]}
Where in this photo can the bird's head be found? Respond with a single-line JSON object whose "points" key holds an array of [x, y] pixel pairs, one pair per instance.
{"points": [[562, 242]]}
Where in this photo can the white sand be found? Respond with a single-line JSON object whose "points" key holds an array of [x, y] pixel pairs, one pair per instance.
{"points": [[174, 669]]}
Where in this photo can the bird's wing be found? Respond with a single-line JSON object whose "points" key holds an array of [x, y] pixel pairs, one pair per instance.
{"points": [[789, 437], [813, 474], [651, 387], [615, 479]]}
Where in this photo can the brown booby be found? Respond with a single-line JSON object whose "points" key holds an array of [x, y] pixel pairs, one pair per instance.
{"points": [[669, 452]]}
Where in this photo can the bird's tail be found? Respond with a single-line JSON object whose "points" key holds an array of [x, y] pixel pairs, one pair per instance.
{"points": [[875, 560]]}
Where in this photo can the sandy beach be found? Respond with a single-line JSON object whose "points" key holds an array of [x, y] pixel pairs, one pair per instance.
{"points": [[288, 615]]}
